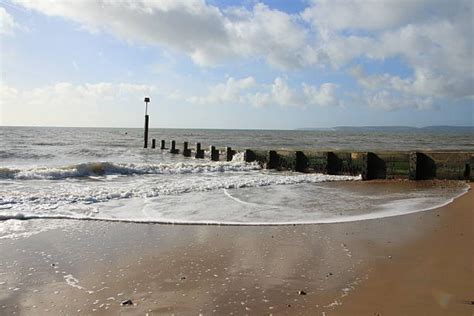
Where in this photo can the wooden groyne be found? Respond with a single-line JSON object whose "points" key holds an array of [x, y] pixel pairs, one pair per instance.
{"points": [[413, 165]]}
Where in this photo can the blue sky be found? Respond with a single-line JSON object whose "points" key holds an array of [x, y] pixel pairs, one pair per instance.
{"points": [[236, 64]]}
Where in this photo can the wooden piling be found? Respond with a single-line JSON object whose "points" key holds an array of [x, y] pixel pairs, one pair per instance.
{"points": [[229, 153], [333, 164], [173, 149], [214, 153], [145, 145], [186, 150], [199, 152], [301, 162], [422, 167], [273, 160], [249, 155], [370, 165]]}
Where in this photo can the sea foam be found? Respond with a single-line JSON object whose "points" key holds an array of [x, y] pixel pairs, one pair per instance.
{"points": [[91, 169]]}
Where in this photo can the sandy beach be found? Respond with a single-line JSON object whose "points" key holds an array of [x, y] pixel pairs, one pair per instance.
{"points": [[415, 264]]}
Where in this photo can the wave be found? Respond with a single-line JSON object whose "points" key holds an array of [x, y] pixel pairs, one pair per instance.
{"points": [[91, 169], [403, 208], [42, 198]]}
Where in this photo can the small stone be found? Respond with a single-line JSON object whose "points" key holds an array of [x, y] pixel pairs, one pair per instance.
{"points": [[390, 257], [126, 302], [301, 292], [183, 278]]}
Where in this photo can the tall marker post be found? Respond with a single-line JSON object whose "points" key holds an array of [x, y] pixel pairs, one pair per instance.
{"points": [[147, 99]]}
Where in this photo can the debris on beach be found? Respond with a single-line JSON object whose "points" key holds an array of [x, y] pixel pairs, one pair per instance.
{"points": [[301, 292], [126, 302]]}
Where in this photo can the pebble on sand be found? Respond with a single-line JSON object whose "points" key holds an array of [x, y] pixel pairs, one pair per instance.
{"points": [[126, 302]]}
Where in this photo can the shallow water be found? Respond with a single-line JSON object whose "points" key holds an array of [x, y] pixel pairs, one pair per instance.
{"points": [[71, 173]]}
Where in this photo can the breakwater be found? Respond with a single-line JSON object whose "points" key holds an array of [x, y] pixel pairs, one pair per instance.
{"points": [[413, 165]]}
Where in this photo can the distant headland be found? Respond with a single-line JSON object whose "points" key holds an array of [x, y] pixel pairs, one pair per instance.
{"points": [[390, 129]]}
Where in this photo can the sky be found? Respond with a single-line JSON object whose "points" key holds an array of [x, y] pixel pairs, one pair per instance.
{"points": [[236, 64]]}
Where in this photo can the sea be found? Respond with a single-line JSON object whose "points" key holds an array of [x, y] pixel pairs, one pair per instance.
{"points": [[51, 177]]}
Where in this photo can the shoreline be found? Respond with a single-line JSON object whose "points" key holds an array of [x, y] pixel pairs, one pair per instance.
{"points": [[348, 219], [386, 265]]}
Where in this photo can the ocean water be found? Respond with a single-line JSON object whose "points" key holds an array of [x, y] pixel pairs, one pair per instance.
{"points": [[58, 175]]}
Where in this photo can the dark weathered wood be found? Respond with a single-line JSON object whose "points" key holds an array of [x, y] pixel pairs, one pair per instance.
{"points": [[214, 153], [153, 143], [199, 152], [186, 150], [301, 162], [273, 160], [229, 153], [173, 149]]}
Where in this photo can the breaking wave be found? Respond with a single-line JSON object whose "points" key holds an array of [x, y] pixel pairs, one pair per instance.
{"points": [[91, 169]]}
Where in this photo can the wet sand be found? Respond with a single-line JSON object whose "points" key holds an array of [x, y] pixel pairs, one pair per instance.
{"points": [[416, 264]]}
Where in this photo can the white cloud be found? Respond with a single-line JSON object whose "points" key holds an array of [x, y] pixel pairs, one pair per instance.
{"points": [[78, 105], [272, 34], [228, 92], [324, 96], [248, 91], [308, 95], [204, 32], [389, 101], [432, 37], [7, 23]]}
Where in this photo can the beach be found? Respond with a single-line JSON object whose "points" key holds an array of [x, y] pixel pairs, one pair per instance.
{"points": [[204, 157], [414, 264]]}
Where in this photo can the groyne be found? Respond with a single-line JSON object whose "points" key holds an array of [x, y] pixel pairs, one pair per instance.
{"points": [[412, 165]]}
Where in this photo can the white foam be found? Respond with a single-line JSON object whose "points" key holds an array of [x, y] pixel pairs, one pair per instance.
{"points": [[92, 169], [181, 215], [45, 197]]}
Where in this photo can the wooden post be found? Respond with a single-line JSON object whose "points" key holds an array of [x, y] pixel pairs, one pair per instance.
{"points": [[273, 160], [186, 150], [301, 162], [173, 149], [214, 153], [249, 155], [333, 165], [422, 167], [199, 152], [229, 153], [145, 145], [163, 144], [153, 143]]}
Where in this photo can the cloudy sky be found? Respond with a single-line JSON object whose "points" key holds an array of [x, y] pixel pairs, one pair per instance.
{"points": [[237, 64]]}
